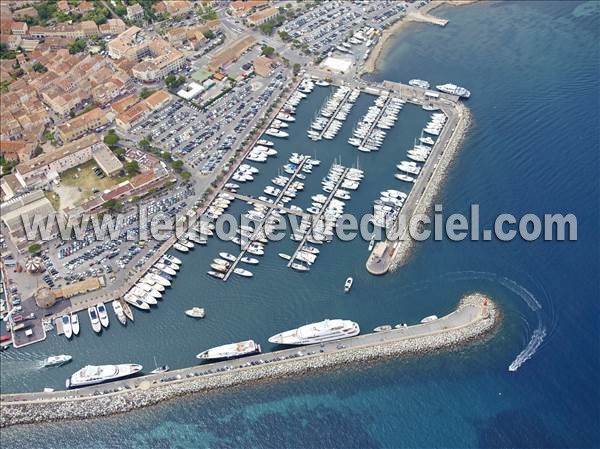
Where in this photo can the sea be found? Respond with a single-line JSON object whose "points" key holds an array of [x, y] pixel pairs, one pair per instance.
{"points": [[533, 147]]}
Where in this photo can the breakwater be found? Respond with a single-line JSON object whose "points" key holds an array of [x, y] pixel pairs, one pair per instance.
{"points": [[475, 317]]}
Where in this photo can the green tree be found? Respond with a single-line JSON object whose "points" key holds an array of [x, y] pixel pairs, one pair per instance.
{"points": [[77, 46], [145, 93], [268, 51], [209, 34], [296, 68], [177, 165], [39, 67], [111, 138], [185, 175], [5, 53], [132, 168], [113, 205], [284, 35]]}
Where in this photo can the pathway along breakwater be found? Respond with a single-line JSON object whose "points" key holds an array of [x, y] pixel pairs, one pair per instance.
{"points": [[475, 317]]}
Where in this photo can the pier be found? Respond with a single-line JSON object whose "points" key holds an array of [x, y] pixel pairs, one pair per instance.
{"points": [[335, 113], [475, 317], [317, 218], [252, 200], [374, 124], [263, 222]]}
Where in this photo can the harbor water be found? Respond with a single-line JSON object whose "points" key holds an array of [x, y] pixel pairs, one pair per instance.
{"points": [[532, 69]]}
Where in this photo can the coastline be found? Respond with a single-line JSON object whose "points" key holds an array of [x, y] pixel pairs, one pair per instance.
{"points": [[480, 315], [370, 64]]}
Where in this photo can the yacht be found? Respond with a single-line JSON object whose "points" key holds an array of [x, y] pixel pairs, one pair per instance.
{"points": [[405, 178], [453, 89], [57, 360], [216, 274], [172, 259], [135, 301], [383, 328], [230, 351], [266, 143], [67, 327], [102, 314], [348, 284], [419, 83], [276, 133], [249, 260], [75, 323], [93, 314], [242, 272], [118, 309], [91, 374], [429, 319], [227, 256], [180, 247], [327, 330], [195, 312]]}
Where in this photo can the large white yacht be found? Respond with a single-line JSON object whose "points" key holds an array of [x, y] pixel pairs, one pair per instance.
{"points": [[92, 374], [230, 351], [326, 330], [453, 89]]}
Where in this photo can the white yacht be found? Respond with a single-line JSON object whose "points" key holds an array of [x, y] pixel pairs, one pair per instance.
{"points": [[91, 374], [327, 330], [453, 89], [75, 323], [195, 312], [273, 132], [118, 308], [93, 314], [429, 319], [67, 327], [135, 301], [103, 315], [231, 351], [348, 284], [419, 83]]}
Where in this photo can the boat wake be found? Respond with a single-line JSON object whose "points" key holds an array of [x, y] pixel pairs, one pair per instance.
{"points": [[536, 340]]}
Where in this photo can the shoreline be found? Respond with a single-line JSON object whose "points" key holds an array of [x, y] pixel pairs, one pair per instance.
{"points": [[370, 65], [477, 317]]}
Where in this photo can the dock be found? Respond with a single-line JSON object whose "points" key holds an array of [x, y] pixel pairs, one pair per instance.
{"points": [[317, 218], [332, 118], [263, 222], [374, 124], [252, 200]]}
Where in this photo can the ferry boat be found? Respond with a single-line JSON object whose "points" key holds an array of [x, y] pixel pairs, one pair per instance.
{"points": [[118, 309], [57, 360], [195, 312], [348, 284], [419, 83], [230, 351], [453, 89], [67, 327], [92, 375], [93, 314], [323, 331], [102, 314], [75, 323]]}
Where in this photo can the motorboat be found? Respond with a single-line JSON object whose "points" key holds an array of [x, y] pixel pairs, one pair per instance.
{"points": [[429, 319], [216, 274], [102, 314], [75, 323], [348, 284], [57, 360], [130, 298], [93, 314], [118, 309], [179, 247], [67, 327], [249, 260], [453, 89], [91, 374], [227, 256], [195, 312], [241, 272], [405, 178], [383, 328], [230, 351]]}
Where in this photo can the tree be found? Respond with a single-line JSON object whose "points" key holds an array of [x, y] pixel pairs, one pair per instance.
{"points": [[34, 248], [5, 53], [145, 144], [112, 205], [132, 168], [111, 138], [145, 93], [173, 82], [177, 165], [268, 51], [209, 34], [39, 67], [185, 175], [284, 35], [296, 68], [77, 46]]}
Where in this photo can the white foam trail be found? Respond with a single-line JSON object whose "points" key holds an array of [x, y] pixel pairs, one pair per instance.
{"points": [[536, 340]]}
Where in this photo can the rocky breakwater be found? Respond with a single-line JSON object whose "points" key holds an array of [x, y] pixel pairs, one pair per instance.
{"points": [[475, 317]]}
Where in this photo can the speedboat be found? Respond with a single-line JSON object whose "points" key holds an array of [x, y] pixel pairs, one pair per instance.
{"points": [[171, 258], [323, 331], [216, 274], [135, 301], [230, 351], [227, 256], [57, 360], [348, 284], [242, 272], [300, 267], [429, 319], [91, 375], [405, 178], [179, 247], [75, 323], [67, 328], [93, 314], [195, 312], [102, 314], [249, 260]]}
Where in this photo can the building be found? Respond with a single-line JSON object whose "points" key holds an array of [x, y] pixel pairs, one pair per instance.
{"points": [[243, 7], [158, 100], [174, 8], [231, 53], [262, 66], [132, 116], [26, 206], [19, 28], [262, 16], [190, 91], [79, 126], [106, 160], [112, 26], [135, 12], [16, 150], [85, 29], [156, 68]]}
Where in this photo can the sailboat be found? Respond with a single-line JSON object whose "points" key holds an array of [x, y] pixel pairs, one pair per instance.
{"points": [[159, 369]]}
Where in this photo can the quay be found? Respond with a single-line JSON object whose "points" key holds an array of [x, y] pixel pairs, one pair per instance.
{"points": [[317, 217], [391, 253], [475, 317]]}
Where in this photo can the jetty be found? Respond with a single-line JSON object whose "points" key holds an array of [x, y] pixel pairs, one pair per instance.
{"points": [[475, 317]]}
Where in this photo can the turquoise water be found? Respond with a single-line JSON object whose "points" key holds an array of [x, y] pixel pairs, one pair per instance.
{"points": [[533, 72]]}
